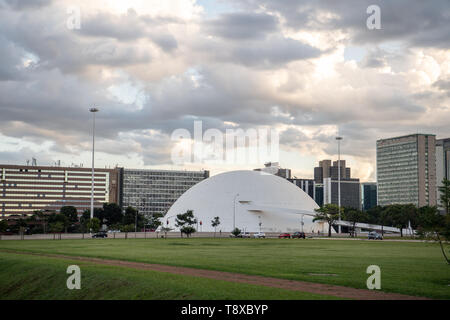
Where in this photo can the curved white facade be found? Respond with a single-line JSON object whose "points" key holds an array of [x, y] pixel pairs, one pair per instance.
{"points": [[244, 199]]}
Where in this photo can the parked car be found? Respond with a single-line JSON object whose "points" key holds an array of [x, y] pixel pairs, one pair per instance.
{"points": [[284, 236], [100, 234], [259, 235], [245, 235], [298, 235], [374, 235]]}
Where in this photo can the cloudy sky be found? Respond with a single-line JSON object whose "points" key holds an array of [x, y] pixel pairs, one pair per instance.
{"points": [[309, 69]]}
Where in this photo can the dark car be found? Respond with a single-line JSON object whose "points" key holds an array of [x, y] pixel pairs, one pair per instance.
{"points": [[100, 234], [284, 236], [299, 235]]}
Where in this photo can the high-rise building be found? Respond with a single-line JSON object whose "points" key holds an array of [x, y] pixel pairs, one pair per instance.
{"points": [[442, 164], [326, 176], [25, 189], [368, 195], [154, 191], [326, 170], [350, 192], [406, 170]]}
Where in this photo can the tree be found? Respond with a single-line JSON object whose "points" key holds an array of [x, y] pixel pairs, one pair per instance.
{"points": [[328, 213], [154, 221], [70, 212], [444, 191], [401, 215], [215, 223], [112, 214], [21, 225], [42, 216], [127, 228], [185, 222], [354, 216], [94, 224], [56, 227], [374, 214], [3, 227], [130, 217], [434, 225], [236, 231], [165, 230]]}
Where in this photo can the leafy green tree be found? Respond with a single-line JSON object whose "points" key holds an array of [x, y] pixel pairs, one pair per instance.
{"points": [[3, 227], [374, 215], [434, 225], [127, 228], [444, 191], [130, 217], [186, 221], [70, 212], [154, 221], [56, 227], [354, 216], [328, 213], [400, 215], [94, 224], [236, 231], [112, 214], [384, 219], [215, 223], [43, 218], [165, 230]]}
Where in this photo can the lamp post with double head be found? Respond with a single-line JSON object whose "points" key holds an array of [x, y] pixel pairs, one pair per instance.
{"points": [[93, 111]]}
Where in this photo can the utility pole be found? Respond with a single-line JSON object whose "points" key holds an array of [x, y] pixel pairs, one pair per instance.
{"points": [[339, 180]]}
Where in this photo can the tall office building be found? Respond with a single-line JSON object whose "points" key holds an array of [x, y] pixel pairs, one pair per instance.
{"points": [[326, 170], [442, 164], [368, 195], [406, 170], [326, 175], [154, 191], [25, 189]]}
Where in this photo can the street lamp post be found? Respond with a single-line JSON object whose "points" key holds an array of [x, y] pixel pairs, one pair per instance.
{"points": [[339, 181], [93, 111], [234, 211]]}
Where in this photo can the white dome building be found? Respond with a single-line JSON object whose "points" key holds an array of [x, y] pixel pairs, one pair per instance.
{"points": [[244, 199]]}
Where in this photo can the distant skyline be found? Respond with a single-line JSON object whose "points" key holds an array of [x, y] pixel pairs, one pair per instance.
{"points": [[310, 69]]}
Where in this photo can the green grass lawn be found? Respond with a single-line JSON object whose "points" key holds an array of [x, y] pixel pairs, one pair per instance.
{"points": [[408, 268], [31, 277]]}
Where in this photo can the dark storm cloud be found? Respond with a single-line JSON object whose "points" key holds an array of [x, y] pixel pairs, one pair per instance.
{"points": [[422, 23], [48, 99], [242, 26], [24, 4]]}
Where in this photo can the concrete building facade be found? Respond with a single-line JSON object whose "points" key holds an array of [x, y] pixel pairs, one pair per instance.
{"points": [[326, 178], [442, 164], [25, 189], [406, 170], [154, 191]]}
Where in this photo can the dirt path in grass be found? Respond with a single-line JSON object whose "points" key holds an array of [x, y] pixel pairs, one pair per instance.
{"points": [[317, 288]]}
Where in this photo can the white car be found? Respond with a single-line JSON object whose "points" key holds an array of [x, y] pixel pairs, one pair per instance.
{"points": [[245, 235], [259, 235]]}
